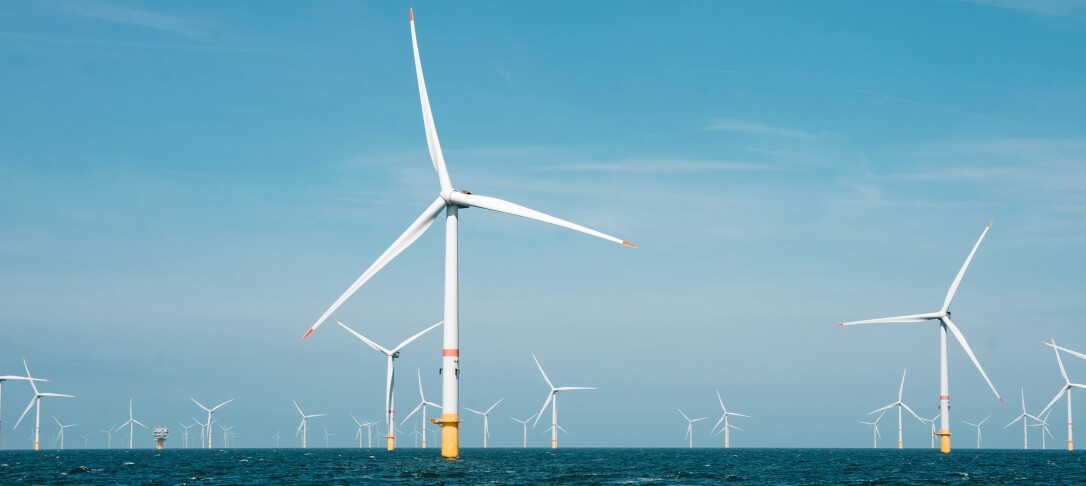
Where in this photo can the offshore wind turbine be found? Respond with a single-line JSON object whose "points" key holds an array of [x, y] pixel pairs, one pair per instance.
{"points": [[945, 325], [1025, 422], [207, 426], [1065, 390], [875, 436], [1042, 422], [4, 378], [690, 426], [276, 437], [724, 420], [525, 424], [186, 432], [303, 427], [552, 399], [36, 400], [390, 381], [977, 425], [899, 404], [931, 422], [486, 422], [109, 437], [60, 435], [358, 435], [449, 201], [421, 406], [131, 421]]}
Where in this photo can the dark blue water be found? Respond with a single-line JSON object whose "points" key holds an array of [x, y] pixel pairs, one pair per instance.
{"points": [[534, 466]]}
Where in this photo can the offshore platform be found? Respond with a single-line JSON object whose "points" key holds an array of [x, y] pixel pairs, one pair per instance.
{"points": [[160, 434]]}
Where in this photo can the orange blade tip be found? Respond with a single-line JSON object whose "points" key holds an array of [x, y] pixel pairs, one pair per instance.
{"points": [[989, 223], [307, 333], [840, 325], [1000, 400], [411, 14], [627, 243]]}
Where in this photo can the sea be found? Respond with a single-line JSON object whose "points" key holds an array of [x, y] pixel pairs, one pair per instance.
{"points": [[542, 466]]}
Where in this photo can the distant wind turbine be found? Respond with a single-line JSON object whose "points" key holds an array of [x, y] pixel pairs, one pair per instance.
{"points": [[303, 427], [4, 378], [724, 420], [899, 404], [60, 435], [1042, 422], [876, 436], [36, 400], [525, 424], [423, 403], [945, 325], [977, 425], [131, 421], [486, 422], [690, 427], [1065, 390], [931, 422], [209, 411], [390, 382], [109, 437], [1025, 422], [552, 400]]}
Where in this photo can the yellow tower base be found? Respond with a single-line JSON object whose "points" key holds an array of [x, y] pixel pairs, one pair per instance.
{"points": [[944, 441], [554, 443], [450, 435], [1070, 445], [158, 443], [391, 442], [726, 446], [899, 446], [37, 445], [423, 441]]}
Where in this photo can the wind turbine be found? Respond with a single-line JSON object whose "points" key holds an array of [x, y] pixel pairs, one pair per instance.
{"points": [[369, 433], [486, 423], [209, 411], [203, 428], [226, 435], [450, 201], [276, 436], [1065, 390], [326, 436], [390, 382], [4, 378], [131, 421], [899, 404], [1025, 422], [60, 435], [358, 435], [36, 400], [977, 425], [421, 406], [84, 436], [303, 427], [876, 436], [186, 432], [109, 437], [945, 324], [724, 420], [1042, 422], [690, 427], [525, 424], [552, 399], [931, 422]]}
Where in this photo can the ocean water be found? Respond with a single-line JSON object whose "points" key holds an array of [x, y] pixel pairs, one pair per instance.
{"points": [[541, 466]]}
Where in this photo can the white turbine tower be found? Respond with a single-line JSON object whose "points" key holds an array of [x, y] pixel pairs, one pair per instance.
{"points": [[276, 437], [4, 378], [931, 422], [724, 420], [486, 422], [60, 435], [423, 403], [690, 427], [390, 381], [303, 427], [1065, 390], [185, 434], [207, 426], [977, 425], [109, 437], [875, 436], [131, 421], [525, 424], [358, 435], [552, 399], [945, 325], [1042, 422], [449, 201], [1025, 422], [899, 404], [36, 400]]}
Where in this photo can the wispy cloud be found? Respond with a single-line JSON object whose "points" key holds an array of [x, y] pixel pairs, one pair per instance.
{"points": [[661, 164], [1047, 7], [147, 19], [929, 105], [755, 128]]}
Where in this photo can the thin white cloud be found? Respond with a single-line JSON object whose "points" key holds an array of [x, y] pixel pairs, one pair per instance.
{"points": [[755, 128], [1047, 7], [659, 165], [929, 105], [122, 14]]}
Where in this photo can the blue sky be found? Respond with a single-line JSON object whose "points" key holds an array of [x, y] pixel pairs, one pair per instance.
{"points": [[185, 187]]}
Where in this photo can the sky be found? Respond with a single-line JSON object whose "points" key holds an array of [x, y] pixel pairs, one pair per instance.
{"points": [[186, 186]]}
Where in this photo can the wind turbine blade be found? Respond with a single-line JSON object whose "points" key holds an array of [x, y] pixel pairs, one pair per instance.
{"points": [[969, 351], [1020, 417], [413, 412], [721, 400], [300, 412], [985, 420], [416, 336], [683, 414], [221, 404], [1068, 351], [421, 393], [57, 421], [1054, 400], [432, 141], [495, 404], [364, 339], [961, 273], [137, 422], [698, 419], [405, 240], [61, 395], [501, 206], [1060, 361], [873, 412], [734, 427], [897, 319], [32, 385], [198, 404], [738, 414], [548, 380], [912, 412], [877, 434], [539, 415], [718, 422], [564, 431], [571, 388], [901, 389], [473, 410]]}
